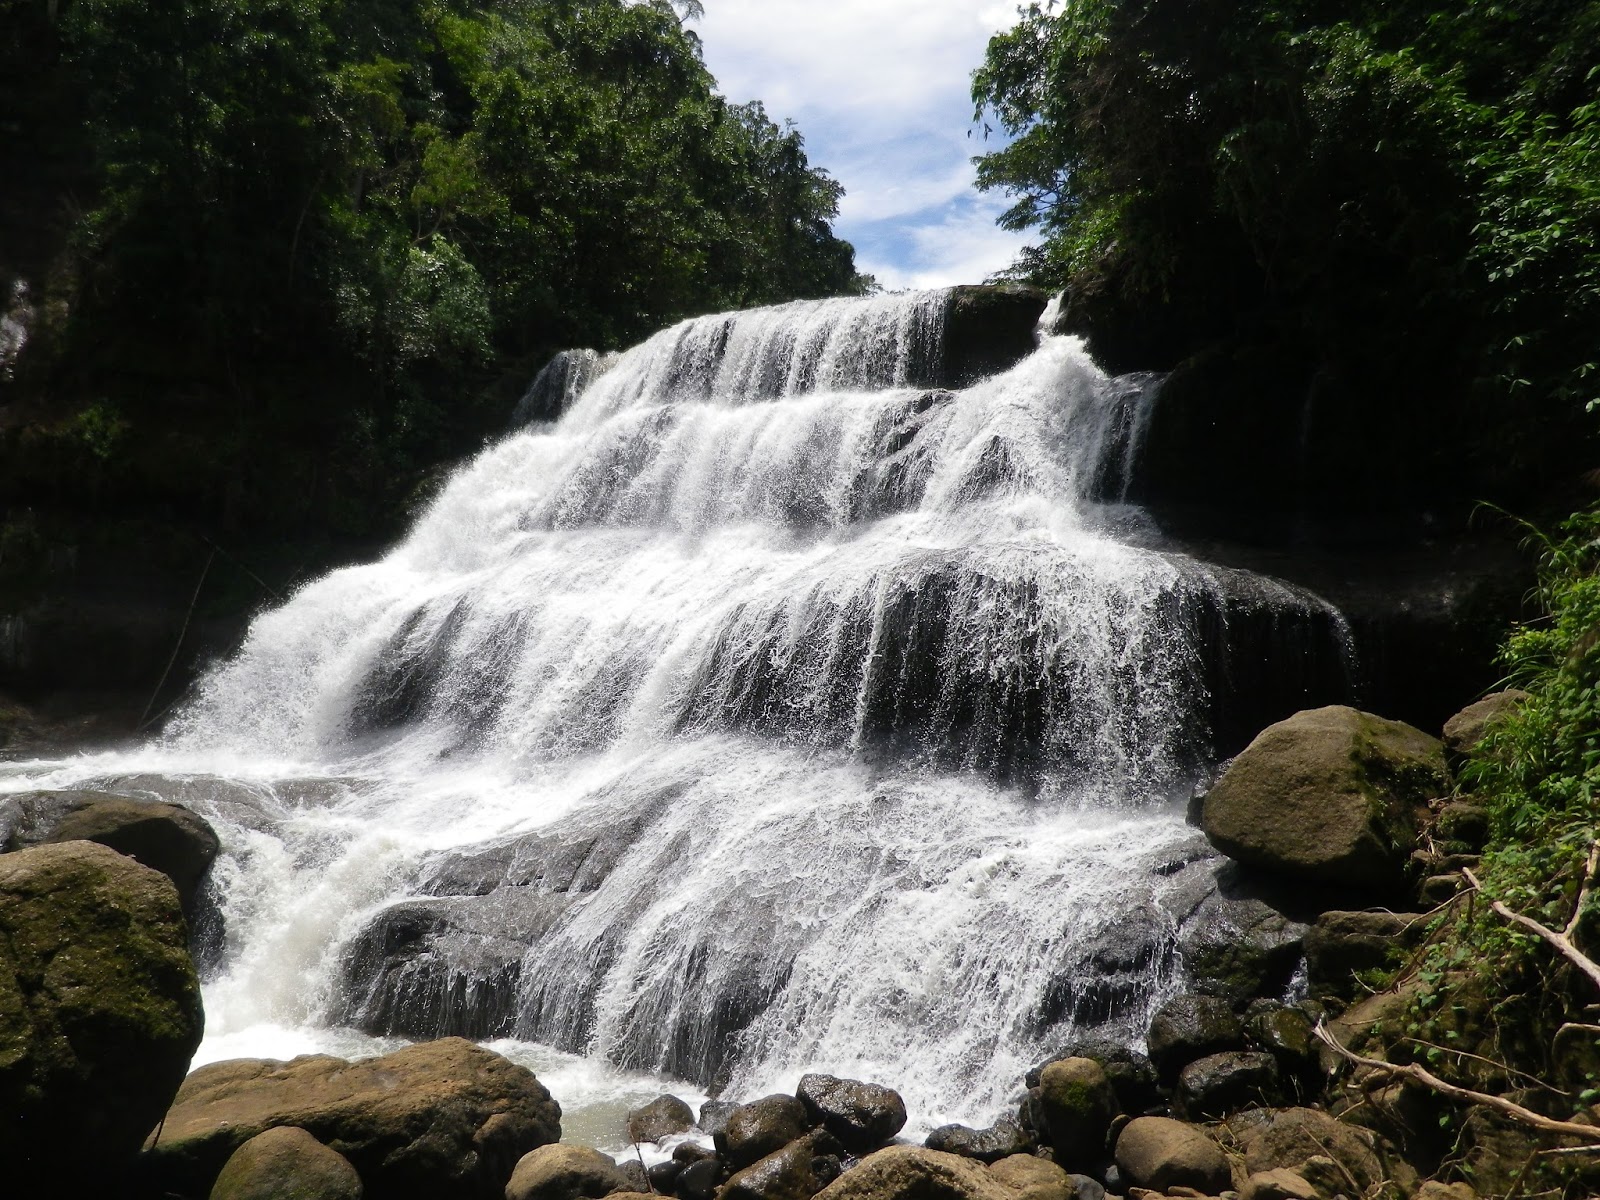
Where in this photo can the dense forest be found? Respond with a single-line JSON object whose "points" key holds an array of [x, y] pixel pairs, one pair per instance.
{"points": [[287, 255], [1388, 210]]}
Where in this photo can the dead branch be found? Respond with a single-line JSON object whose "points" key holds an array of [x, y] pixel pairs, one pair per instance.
{"points": [[1589, 1134], [1560, 939]]}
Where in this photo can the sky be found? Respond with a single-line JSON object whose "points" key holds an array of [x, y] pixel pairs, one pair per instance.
{"points": [[881, 92]]}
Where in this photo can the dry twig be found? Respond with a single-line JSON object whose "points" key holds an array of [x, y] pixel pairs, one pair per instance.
{"points": [[1560, 939]]}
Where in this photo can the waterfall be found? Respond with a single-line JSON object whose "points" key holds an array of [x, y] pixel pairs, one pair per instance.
{"points": [[772, 709]]}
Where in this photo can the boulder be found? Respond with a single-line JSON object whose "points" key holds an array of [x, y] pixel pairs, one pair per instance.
{"points": [[1132, 1075], [286, 1163], [1159, 1153], [1328, 796], [1219, 1084], [1433, 1189], [1463, 826], [1187, 1028], [757, 1129], [661, 1118], [863, 1116], [1291, 1137], [439, 1120], [1031, 1178], [698, 1180], [99, 1012], [797, 1172], [561, 1172], [1342, 945], [1246, 949], [714, 1116], [1285, 1032], [164, 837], [1472, 724], [1077, 1104], [916, 1173], [1000, 1140]]}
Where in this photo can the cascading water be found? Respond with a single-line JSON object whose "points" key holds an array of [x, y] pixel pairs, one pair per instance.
{"points": [[769, 711]]}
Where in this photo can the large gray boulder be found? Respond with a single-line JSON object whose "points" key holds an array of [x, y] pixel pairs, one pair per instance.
{"points": [[659, 1119], [443, 1120], [286, 1163], [99, 1012], [1329, 796]]}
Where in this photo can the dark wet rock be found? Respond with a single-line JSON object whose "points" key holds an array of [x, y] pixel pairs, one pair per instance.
{"points": [[1220, 1084], [446, 966], [1159, 1153], [863, 1116], [558, 383], [714, 1116], [1077, 1103], [757, 1129], [1472, 724], [663, 1176], [99, 1012], [1285, 1032], [1005, 1137], [1439, 889], [286, 1163], [636, 1174], [661, 1118], [698, 1180], [1342, 945], [1187, 1028], [562, 1172], [988, 329], [796, 1172], [443, 1118], [1242, 948], [1330, 795]]}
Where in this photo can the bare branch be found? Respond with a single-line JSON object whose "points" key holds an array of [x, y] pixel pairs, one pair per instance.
{"points": [[1562, 941], [1589, 1134]]}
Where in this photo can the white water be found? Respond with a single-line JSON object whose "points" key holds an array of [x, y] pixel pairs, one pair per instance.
{"points": [[884, 728]]}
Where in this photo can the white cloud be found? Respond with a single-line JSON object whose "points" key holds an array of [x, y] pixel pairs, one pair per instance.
{"points": [[881, 92]]}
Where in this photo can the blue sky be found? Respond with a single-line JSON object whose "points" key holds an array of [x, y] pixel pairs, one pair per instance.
{"points": [[880, 90]]}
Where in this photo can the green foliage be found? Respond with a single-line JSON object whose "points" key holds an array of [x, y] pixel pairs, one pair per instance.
{"points": [[1400, 189], [321, 227]]}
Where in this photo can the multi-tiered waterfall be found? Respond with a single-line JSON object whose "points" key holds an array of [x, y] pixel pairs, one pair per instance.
{"points": [[769, 710]]}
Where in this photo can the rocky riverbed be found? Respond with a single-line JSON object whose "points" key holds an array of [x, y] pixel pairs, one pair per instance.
{"points": [[1346, 829]]}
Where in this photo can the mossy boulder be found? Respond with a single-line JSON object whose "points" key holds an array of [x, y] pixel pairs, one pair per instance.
{"points": [[99, 1012], [286, 1163], [444, 1120], [1077, 1102], [1330, 796], [1472, 724]]}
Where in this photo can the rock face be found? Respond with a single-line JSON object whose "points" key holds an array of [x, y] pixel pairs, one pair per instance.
{"points": [[1160, 1154], [557, 1172], [99, 1011], [286, 1163], [1329, 796], [863, 1116], [439, 1120], [757, 1129], [1219, 1084], [164, 837], [988, 328]]}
